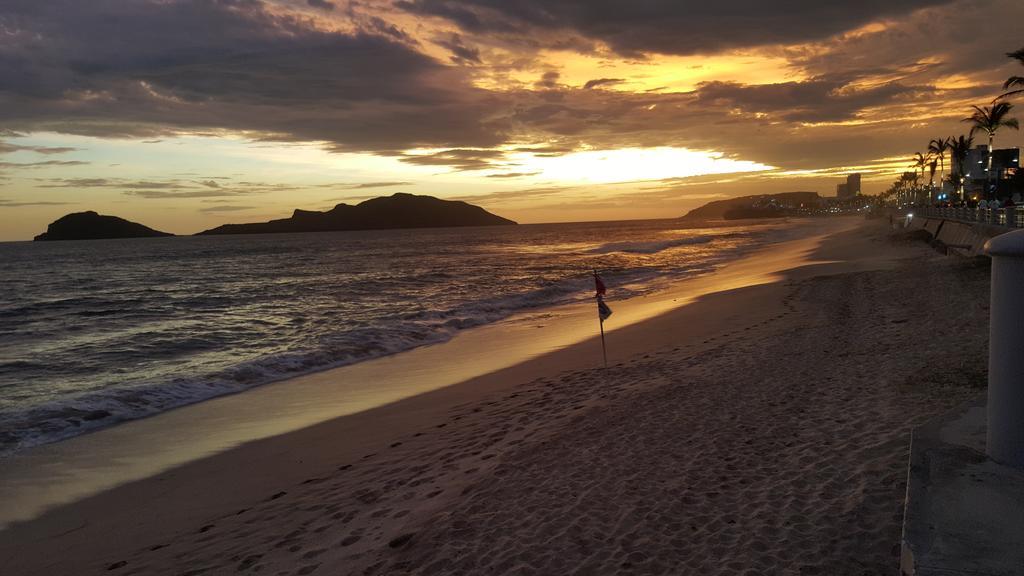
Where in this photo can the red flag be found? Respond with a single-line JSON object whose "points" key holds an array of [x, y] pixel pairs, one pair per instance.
{"points": [[603, 311], [599, 285]]}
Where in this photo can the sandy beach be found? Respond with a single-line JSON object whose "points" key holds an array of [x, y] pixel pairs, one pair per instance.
{"points": [[756, 430]]}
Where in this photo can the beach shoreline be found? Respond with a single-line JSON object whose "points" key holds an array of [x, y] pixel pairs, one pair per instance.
{"points": [[78, 467], [188, 507]]}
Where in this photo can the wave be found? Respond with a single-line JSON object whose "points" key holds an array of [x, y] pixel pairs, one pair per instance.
{"points": [[76, 414], [305, 343], [653, 247]]}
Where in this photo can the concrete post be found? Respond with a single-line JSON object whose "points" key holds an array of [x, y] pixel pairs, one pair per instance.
{"points": [[1006, 350], [1011, 216]]}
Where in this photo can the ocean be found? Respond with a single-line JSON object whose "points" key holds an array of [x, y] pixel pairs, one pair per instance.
{"points": [[93, 333]]}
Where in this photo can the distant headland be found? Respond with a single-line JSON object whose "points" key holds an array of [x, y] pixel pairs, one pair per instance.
{"points": [[758, 206], [387, 212], [396, 211], [92, 226]]}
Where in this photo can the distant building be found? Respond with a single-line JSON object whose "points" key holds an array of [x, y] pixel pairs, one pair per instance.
{"points": [[850, 189], [853, 184]]}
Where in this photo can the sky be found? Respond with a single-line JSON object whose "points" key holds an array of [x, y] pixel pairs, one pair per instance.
{"points": [[187, 114]]}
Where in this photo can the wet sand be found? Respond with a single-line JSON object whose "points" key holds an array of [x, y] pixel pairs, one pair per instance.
{"points": [[759, 430]]}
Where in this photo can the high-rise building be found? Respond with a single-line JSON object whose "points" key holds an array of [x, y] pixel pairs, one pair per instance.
{"points": [[853, 184], [850, 189]]}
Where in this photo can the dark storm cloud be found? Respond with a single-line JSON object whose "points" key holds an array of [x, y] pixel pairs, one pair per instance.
{"points": [[321, 4], [548, 80], [125, 68], [665, 26], [788, 125], [602, 82], [459, 158], [930, 43], [816, 100], [116, 68], [461, 54]]}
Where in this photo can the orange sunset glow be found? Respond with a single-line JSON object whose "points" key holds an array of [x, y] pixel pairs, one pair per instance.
{"points": [[511, 287], [443, 98], [295, 104]]}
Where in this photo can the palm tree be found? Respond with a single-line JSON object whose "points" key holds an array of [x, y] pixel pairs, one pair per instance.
{"points": [[990, 119], [959, 147], [920, 162], [938, 148], [931, 178], [1014, 80]]}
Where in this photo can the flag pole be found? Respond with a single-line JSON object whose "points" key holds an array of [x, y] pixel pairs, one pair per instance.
{"points": [[600, 319]]}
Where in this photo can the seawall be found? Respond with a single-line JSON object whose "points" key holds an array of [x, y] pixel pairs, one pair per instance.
{"points": [[965, 238]]}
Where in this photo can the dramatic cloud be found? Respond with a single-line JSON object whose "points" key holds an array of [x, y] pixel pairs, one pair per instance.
{"points": [[602, 82], [474, 86], [817, 100], [462, 159], [664, 26], [548, 80], [461, 54], [321, 4], [114, 68]]}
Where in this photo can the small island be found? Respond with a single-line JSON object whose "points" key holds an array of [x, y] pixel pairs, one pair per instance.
{"points": [[397, 211], [759, 206], [92, 226]]}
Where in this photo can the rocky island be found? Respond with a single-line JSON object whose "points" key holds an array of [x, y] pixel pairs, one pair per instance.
{"points": [[759, 206], [92, 226], [397, 211]]}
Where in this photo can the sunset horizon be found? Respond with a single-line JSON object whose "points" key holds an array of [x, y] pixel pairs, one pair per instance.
{"points": [[511, 287], [567, 113]]}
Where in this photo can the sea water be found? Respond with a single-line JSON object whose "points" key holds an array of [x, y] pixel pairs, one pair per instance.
{"points": [[93, 333]]}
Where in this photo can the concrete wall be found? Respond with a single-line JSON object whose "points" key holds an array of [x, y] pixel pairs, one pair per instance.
{"points": [[966, 238]]}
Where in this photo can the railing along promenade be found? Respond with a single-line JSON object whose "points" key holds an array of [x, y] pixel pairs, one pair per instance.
{"points": [[1011, 216]]}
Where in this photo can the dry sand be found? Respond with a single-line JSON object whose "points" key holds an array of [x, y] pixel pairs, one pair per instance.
{"points": [[764, 431]]}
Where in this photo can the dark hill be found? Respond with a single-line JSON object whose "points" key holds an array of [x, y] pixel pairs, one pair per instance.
{"points": [[397, 211], [92, 226], [759, 206]]}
